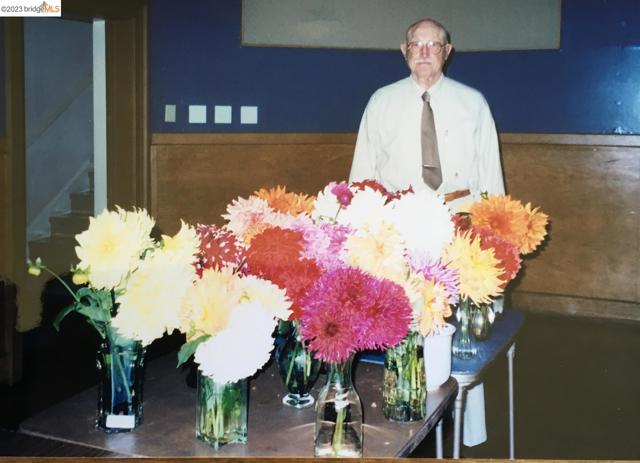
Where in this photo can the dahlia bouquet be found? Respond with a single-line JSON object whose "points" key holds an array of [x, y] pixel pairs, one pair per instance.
{"points": [[130, 284], [130, 288], [399, 236], [228, 317], [486, 251], [491, 238], [277, 232], [224, 306]]}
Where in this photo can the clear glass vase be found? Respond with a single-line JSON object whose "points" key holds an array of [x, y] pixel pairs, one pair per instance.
{"points": [[298, 369], [338, 429], [120, 365], [464, 344], [482, 318], [404, 393], [221, 411]]}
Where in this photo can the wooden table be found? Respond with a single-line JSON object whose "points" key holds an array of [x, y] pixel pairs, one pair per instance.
{"points": [[274, 430]]}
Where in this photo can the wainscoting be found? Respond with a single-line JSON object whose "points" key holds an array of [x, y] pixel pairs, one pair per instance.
{"points": [[589, 186]]}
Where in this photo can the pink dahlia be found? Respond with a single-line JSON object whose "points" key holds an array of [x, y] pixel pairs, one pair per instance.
{"points": [[343, 193], [348, 310], [324, 242]]}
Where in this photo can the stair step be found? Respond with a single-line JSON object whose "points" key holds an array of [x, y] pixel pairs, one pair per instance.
{"points": [[82, 202], [57, 252], [69, 225]]}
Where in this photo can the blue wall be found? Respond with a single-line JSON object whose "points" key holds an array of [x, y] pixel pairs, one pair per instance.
{"points": [[590, 85]]}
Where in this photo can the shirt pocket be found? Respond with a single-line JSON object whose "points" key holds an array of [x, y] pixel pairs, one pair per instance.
{"points": [[458, 150]]}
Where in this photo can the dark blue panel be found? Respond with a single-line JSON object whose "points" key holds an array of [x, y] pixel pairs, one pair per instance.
{"points": [[562, 92], [600, 23], [589, 86]]}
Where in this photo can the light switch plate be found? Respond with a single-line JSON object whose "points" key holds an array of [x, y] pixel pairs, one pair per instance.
{"points": [[169, 113], [222, 114], [197, 114], [248, 114]]}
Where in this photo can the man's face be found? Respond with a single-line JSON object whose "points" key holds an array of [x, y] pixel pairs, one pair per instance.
{"points": [[425, 64]]}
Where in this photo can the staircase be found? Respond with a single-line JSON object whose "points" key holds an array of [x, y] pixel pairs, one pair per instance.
{"points": [[58, 250]]}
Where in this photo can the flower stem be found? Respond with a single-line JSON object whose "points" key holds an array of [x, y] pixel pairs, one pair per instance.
{"points": [[292, 361], [336, 441], [57, 277]]}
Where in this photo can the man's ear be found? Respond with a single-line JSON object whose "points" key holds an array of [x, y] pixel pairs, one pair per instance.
{"points": [[448, 48], [403, 49]]}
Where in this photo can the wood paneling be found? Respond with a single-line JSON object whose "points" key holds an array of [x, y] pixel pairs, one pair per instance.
{"points": [[589, 185], [590, 264], [195, 182]]}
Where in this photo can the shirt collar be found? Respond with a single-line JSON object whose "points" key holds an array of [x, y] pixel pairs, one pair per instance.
{"points": [[432, 91]]}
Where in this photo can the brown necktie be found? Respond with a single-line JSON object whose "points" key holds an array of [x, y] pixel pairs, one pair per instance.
{"points": [[431, 170]]}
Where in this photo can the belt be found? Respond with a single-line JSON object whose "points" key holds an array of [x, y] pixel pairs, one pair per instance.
{"points": [[448, 197]]}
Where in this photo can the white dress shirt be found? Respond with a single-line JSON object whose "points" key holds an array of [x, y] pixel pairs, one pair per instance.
{"points": [[388, 148]]}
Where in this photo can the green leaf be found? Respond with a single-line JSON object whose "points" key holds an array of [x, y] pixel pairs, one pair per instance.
{"points": [[189, 348], [63, 313]]}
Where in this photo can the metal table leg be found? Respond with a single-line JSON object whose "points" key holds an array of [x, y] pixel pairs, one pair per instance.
{"points": [[457, 421], [439, 452], [510, 355]]}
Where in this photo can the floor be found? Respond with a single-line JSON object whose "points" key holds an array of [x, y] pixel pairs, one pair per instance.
{"points": [[576, 388]]}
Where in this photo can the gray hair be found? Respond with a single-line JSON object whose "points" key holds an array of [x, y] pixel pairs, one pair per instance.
{"points": [[445, 33]]}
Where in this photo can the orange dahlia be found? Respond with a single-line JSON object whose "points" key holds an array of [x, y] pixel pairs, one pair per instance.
{"points": [[536, 229], [506, 217], [286, 202]]}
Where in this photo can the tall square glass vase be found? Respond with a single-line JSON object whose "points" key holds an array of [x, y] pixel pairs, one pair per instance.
{"points": [[120, 365], [404, 393], [221, 411]]}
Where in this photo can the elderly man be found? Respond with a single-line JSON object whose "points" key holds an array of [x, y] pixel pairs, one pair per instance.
{"points": [[429, 131]]}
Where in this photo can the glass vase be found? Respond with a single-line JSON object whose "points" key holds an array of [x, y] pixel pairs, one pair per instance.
{"points": [[482, 318], [404, 393], [298, 369], [120, 365], [221, 411], [338, 428], [464, 344]]}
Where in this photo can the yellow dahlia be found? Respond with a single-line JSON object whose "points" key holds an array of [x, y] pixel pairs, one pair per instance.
{"points": [[149, 305], [379, 250], [269, 296], [288, 203], [506, 217], [536, 229], [479, 269], [184, 245], [207, 304], [435, 307], [112, 245]]}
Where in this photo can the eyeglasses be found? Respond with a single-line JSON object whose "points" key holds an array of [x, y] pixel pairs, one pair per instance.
{"points": [[434, 47]]}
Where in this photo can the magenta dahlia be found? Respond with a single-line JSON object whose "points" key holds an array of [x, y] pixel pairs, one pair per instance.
{"points": [[348, 310]]}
